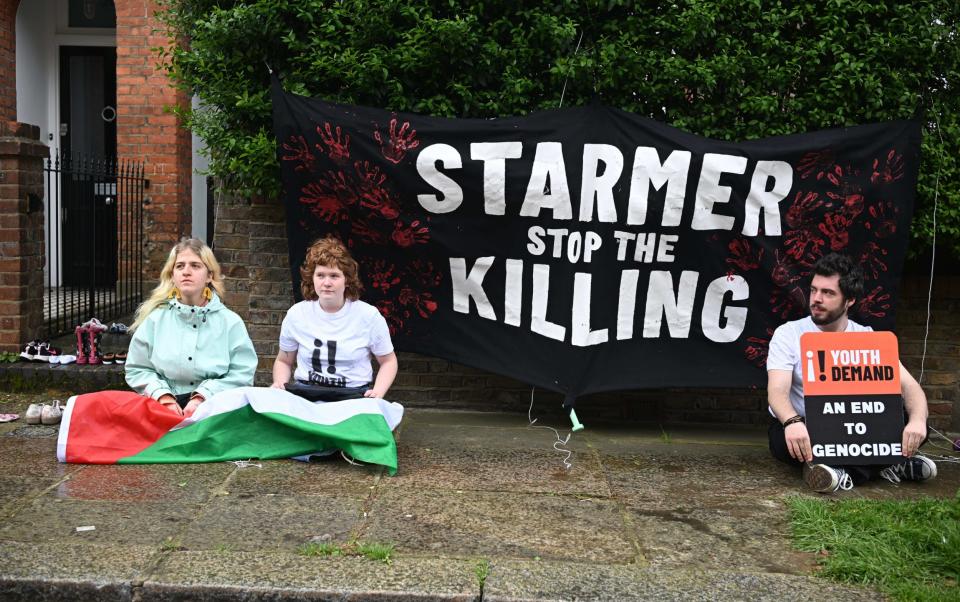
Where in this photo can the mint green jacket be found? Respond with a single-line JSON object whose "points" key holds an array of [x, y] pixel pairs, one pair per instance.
{"points": [[184, 349]]}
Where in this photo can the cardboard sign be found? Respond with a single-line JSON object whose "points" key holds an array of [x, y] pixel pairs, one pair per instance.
{"points": [[851, 386]]}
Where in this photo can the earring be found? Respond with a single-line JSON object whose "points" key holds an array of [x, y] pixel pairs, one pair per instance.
{"points": [[175, 293], [207, 293]]}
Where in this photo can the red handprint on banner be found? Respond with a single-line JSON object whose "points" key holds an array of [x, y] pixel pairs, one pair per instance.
{"points": [[875, 304], [885, 224], [338, 143], [422, 301], [329, 198], [816, 164], [299, 151], [382, 277], [409, 235], [803, 245], [743, 256], [835, 228], [889, 171], [872, 259], [799, 212], [400, 141]]}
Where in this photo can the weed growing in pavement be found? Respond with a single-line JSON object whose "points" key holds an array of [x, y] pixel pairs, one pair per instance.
{"points": [[376, 551], [481, 570], [665, 436], [908, 549], [320, 549], [171, 545]]}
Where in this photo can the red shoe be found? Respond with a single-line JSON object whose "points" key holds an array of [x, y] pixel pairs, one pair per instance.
{"points": [[81, 344], [94, 337]]}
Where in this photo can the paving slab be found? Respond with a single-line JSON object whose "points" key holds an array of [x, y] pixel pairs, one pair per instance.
{"points": [[72, 571], [522, 581], [177, 484], [272, 522], [470, 523], [210, 576], [290, 477]]}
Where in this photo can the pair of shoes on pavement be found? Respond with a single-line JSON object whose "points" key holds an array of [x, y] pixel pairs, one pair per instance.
{"points": [[41, 351], [44, 413], [114, 358], [828, 479]]}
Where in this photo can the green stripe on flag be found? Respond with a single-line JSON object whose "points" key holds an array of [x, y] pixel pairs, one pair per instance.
{"points": [[245, 434]]}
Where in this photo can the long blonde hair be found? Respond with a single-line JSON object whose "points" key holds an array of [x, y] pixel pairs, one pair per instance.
{"points": [[164, 290]]}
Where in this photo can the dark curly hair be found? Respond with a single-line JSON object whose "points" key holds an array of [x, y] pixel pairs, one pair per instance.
{"points": [[851, 276], [330, 252]]}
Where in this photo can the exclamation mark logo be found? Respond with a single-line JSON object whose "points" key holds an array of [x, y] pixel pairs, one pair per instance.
{"points": [[810, 377], [332, 357], [822, 358]]}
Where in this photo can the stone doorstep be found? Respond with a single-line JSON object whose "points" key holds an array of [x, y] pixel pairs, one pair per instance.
{"points": [[37, 376]]}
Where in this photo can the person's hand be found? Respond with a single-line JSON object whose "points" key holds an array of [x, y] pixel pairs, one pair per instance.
{"points": [[193, 404], [798, 442], [170, 402], [913, 435], [276, 385], [374, 393]]}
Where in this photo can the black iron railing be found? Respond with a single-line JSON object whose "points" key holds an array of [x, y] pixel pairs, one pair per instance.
{"points": [[94, 240]]}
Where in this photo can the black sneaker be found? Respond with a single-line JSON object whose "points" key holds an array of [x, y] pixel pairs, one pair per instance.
{"points": [[917, 468], [47, 353], [29, 350], [826, 479]]}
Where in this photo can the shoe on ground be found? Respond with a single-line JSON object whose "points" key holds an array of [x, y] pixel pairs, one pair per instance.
{"points": [[48, 353], [33, 413], [917, 468], [826, 479], [51, 414], [118, 328], [29, 350], [121, 358], [64, 359]]}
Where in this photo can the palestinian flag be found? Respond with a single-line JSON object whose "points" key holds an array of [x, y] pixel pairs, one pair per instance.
{"points": [[120, 427]]}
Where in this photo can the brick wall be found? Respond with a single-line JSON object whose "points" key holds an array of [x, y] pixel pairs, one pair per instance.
{"points": [[8, 59], [21, 234], [250, 241], [147, 131]]}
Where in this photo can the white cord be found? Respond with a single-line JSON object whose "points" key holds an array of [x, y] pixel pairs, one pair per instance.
{"points": [[559, 443], [933, 254], [247, 464], [564, 91]]}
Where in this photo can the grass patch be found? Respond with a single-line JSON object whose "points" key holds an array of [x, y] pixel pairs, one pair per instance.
{"points": [[908, 549], [376, 551], [664, 435], [171, 545], [320, 549]]}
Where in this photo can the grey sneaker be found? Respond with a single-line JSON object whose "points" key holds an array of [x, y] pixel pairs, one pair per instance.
{"points": [[917, 468], [826, 479]]}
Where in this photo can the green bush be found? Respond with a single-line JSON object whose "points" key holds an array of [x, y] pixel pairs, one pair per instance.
{"points": [[727, 69]]}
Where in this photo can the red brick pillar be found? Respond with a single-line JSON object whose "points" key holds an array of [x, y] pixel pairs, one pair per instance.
{"points": [[8, 59], [21, 234], [147, 132]]}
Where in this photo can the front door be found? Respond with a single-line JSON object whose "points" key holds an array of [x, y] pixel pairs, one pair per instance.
{"points": [[88, 144]]}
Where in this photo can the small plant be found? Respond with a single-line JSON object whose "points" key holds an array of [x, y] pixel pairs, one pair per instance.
{"points": [[376, 551], [665, 436], [9, 357], [170, 545], [320, 549], [222, 549], [481, 570]]}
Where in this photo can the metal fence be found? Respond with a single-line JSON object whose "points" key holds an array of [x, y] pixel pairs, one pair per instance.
{"points": [[94, 234]]}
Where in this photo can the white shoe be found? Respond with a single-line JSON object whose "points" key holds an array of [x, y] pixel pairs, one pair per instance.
{"points": [[51, 414], [917, 468], [33, 413]]}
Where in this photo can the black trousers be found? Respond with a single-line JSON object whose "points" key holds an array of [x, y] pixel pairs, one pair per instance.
{"points": [[859, 473]]}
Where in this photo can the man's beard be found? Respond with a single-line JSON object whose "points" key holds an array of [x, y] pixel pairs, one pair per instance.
{"points": [[830, 317]]}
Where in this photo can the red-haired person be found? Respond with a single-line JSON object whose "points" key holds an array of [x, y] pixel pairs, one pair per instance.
{"points": [[327, 341]]}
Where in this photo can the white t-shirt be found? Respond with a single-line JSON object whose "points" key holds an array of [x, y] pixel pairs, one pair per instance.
{"points": [[334, 349], [784, 354]]}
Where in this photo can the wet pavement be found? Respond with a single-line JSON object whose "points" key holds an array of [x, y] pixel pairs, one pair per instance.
{"points": [[482, 507]]}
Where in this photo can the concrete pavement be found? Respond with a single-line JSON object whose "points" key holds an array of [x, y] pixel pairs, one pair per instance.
{"points": [[482, 508]]}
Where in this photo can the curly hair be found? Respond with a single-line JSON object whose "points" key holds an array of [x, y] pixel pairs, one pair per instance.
{"points": [[330, 252], [851, 276]]}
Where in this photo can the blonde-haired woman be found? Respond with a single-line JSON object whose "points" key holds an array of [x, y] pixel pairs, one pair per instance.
{"points": [[187, 346]]}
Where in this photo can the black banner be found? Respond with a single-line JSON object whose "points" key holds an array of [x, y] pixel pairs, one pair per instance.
{"points": [[590, 249]]}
